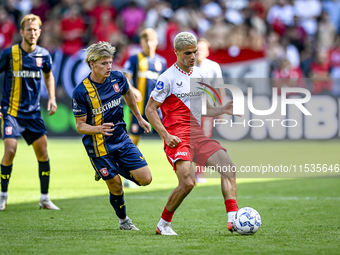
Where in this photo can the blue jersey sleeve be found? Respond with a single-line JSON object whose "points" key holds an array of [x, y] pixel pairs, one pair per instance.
{"points": [[79, 104], [4, 60], [124, 85], [47, 67]]}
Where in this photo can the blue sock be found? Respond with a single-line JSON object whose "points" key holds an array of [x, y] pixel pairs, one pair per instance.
{"points": [[118, 204]]}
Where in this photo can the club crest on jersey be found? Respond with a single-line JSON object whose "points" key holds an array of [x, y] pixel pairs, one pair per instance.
{"points": [[158, 66], [39, 62], [116, 87], [160, 85], [8, 130], [104, 171]]}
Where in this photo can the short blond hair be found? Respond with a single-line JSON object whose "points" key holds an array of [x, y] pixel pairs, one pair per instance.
{"points": [[98, 51], [145, 33], [184, 38], [30, 18]]}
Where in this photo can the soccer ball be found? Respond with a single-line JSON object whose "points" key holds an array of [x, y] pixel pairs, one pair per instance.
{"points": [[247, 221]]}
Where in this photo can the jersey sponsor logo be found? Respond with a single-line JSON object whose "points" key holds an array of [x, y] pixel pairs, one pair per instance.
{"points": [[116, 87], [8, 130], [158, 66], [142, 158], [26, 74], [104, 171], [113, 80], [107, 106], [160, 85], [190, 94], [181, 153], [39, 61], [148, 75], [179, 84]]}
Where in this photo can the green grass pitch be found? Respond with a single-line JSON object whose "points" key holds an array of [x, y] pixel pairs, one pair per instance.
{"points": [[300, 216]]}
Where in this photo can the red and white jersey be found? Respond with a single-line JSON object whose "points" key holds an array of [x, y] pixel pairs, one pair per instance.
{"points": [[181, 96]]}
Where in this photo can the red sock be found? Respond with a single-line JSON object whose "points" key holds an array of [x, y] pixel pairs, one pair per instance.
{"points": [[166, 215], [231, 205]]}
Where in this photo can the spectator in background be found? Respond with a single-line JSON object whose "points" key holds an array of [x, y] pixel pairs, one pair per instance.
{"points": [[326, 32], [13, 12], [280, 15], [334, 57], [24, 6], [287, 76], [210, 9], [308, 11], [132, 17], [104, 6], [332, 7], [8, 29], [105, 27], [158, 18], [297, 35], [40, 8], [72, 29], [319, 72]]}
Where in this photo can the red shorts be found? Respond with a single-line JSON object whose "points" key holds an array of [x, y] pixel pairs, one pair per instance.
{"points": [[197, 150]]}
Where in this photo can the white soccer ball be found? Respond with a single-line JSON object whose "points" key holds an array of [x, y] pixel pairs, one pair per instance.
{"points": [[247, 221]]}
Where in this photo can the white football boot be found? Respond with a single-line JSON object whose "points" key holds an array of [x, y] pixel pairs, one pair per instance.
{"points": [[165, 229], [3, 203], [47, 204], [128, 225]]}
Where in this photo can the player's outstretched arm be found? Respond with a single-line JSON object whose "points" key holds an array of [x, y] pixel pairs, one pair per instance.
{"points": [[152, 115], [216, 111], [84, 128], [50, 86], [130, 100]]}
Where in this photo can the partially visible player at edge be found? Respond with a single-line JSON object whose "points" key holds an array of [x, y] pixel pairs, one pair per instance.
{"points": [[184, 140], [214, 72], [143, 69], [98, 111], [20, 104]]}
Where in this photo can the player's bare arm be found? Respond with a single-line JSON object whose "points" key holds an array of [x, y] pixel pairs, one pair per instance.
{"points": [[152, 115], [138, 94], [130, 100], [84, 128], [50, 86], [216, 111]]}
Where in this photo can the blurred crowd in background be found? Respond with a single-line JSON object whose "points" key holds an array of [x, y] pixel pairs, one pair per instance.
{"points": [[300, 38]]}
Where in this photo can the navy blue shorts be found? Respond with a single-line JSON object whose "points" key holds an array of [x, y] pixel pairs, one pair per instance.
{"points": [[126, 158], [135, 129], [30, 129]]}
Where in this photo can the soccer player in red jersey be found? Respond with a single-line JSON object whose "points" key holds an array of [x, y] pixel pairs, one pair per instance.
{"points": [[184, 140]]}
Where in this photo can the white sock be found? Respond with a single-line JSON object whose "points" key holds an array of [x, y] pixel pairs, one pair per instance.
{"points": [[123, 220], [44, 197], [231, 216], [162, 222], [4, 194]]}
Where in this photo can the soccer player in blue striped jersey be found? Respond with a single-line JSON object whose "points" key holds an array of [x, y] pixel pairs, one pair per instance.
{"points": [[144, 69], [22, 64], [98, 110]]}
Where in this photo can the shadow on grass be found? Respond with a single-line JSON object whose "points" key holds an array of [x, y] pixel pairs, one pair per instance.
{"points": [[88, 225]]}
